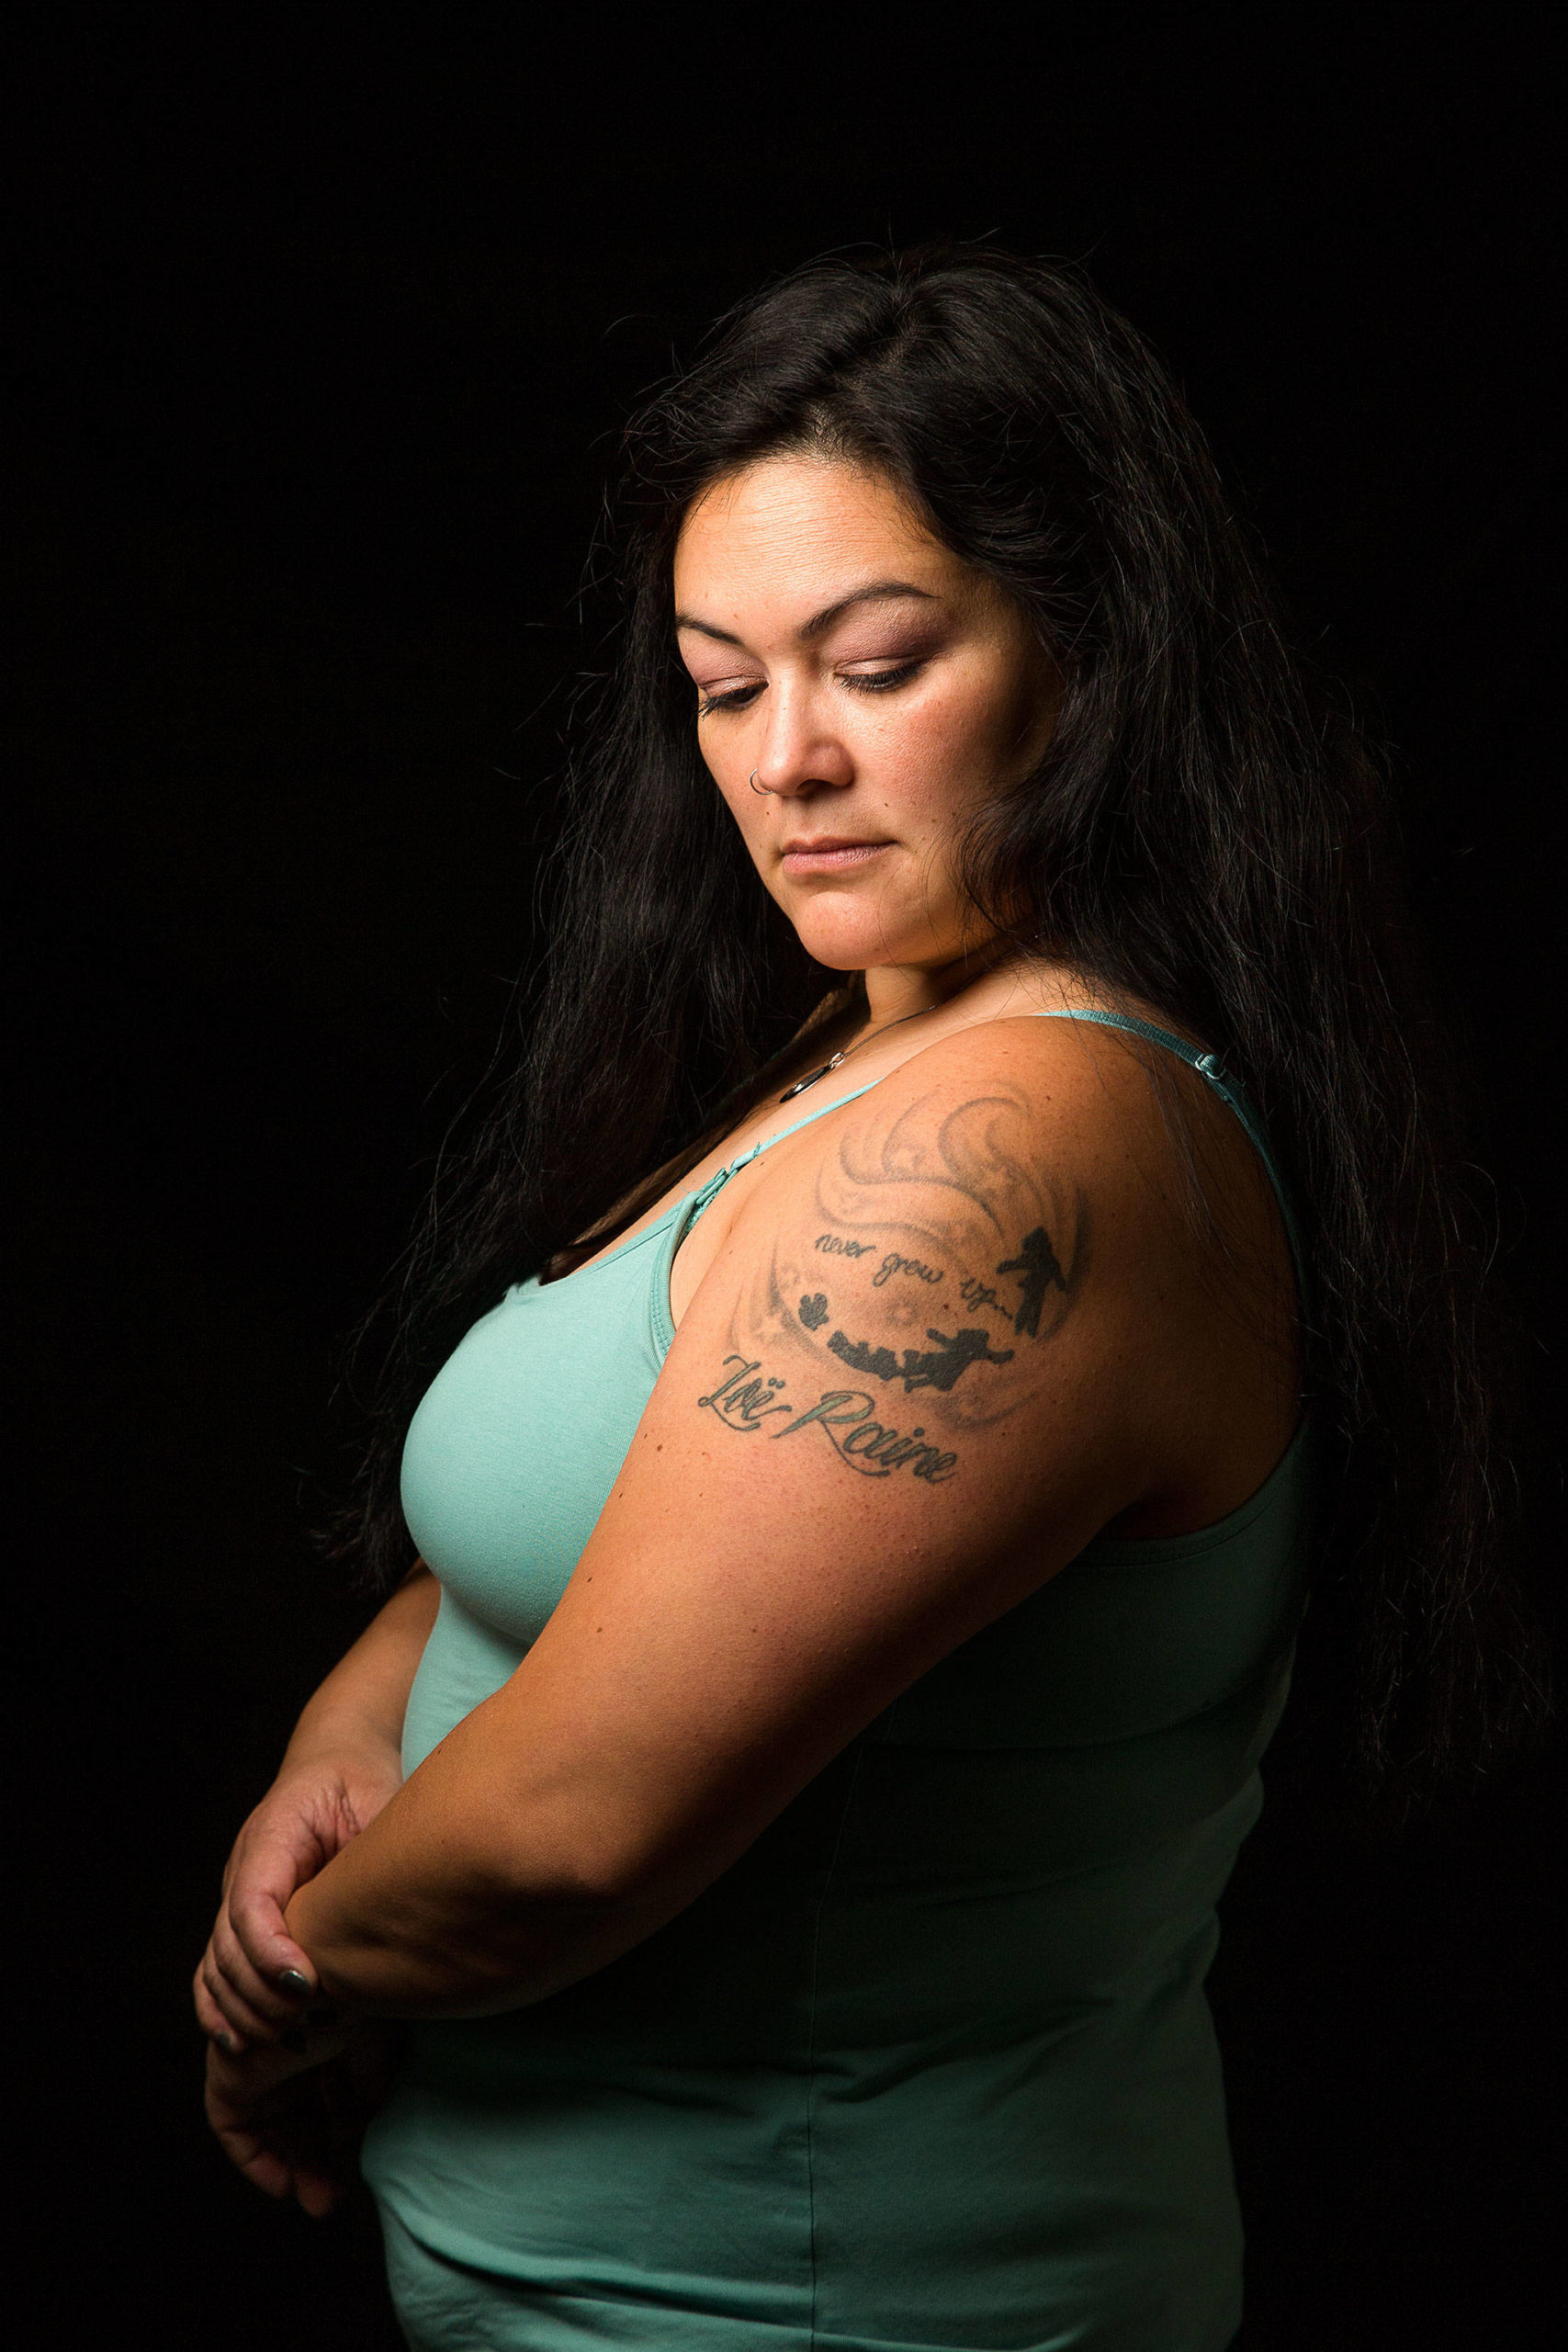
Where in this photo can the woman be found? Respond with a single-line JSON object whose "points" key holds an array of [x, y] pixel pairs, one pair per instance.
{"points": [[867, 1494]]}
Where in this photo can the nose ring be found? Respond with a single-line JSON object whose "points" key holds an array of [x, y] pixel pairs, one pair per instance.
{"points": [[760, 789]]}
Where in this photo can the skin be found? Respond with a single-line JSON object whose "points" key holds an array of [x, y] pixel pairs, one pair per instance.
{"points": [[927, 1348], [882, 721]]}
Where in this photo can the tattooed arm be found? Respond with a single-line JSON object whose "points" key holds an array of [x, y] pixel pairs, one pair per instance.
{"points": [[937, 1341]]}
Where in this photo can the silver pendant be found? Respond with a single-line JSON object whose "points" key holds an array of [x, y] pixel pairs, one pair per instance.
{"points": [[810, 1079]]}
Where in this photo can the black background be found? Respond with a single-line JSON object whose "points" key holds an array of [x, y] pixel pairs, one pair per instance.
{"points": [[323, 321]]}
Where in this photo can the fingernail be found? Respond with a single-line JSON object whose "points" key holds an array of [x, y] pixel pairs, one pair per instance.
{"points": [[227, 2043], [291, 1980]]}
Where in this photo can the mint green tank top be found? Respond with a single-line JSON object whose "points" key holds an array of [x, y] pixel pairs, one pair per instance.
{"points": [[931, 2067]]}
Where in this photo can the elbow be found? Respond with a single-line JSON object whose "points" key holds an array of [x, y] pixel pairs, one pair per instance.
{"points": [[528, 1942], [528, 1926], [577, 1847], [583, 1873]]}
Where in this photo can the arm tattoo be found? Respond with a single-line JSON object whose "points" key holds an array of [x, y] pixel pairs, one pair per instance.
{"points": [[893, 1264], [1036, 1262], [939, 1370], [934, 1203], [961, 1192], [742, 1402]]}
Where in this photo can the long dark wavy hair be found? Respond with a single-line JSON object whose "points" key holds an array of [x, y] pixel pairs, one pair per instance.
{"points": [[1206, 832]]}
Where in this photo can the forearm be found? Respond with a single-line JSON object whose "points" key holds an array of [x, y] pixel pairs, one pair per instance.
{"points": [[339, 1770], [441, 1946], [475, 1890], [359, 1708]]}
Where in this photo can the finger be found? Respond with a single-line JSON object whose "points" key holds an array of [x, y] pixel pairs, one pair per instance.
{"points": [[270, 1861], [238, 2015], [318, 2192], [212, 2021], [246, 1981], [246, 2148], [279, 2174], [281, 1845], [265, 2170], [275, 2150], [255, 1916]]}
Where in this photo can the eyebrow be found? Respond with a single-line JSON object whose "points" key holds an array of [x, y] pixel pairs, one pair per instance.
{"points": [[880, 592]]}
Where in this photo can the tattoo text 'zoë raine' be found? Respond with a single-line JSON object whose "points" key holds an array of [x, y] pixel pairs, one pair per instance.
{"points": [[743, 1402]]}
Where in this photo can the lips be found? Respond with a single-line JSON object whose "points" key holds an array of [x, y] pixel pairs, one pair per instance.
{"points": [[830, 853]]}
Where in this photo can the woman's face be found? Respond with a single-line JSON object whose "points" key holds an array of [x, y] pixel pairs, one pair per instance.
{"points": [[878, 689]]}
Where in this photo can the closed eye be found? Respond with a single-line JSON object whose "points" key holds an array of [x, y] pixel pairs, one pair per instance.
{"points": [[737, 699], [865, 681], [877, 682]]}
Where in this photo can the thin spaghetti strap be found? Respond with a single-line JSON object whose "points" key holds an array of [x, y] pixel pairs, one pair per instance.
{"points": [[721, 1176], [1208, 1066], [795, 1126]]}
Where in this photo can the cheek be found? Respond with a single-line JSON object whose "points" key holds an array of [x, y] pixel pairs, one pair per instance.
{"points": [[729, 776], [930, 757]]}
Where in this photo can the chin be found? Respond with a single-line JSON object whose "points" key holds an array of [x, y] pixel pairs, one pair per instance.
{"points": [[843, 937]]}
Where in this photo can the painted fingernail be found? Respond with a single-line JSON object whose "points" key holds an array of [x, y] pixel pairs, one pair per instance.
{"points": [[291, 1980], [227, 2043]]}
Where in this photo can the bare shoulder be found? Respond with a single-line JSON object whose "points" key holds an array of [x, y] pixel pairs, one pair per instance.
{"points": [[975, 1230], [996, 1236], [1017, 1125], [1124, 1125]]}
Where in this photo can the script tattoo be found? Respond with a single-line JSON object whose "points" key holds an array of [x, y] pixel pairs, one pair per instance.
{"points": [[742, 1402], [935, 1191], [894, 1264], [954, 1213], [845, 1416]]}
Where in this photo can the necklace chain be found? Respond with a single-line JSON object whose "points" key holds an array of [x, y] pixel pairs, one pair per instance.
{"points": [[802, 1083]]}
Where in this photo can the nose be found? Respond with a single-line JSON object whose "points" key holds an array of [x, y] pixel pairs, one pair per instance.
{"points": [[797, 756]]}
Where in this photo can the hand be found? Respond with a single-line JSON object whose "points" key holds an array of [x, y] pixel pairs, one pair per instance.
{"points": [[254, 1984], [292, 2121]]}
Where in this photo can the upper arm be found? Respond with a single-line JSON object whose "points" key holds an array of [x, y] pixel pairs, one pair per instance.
{"points": [[900, 1399]]}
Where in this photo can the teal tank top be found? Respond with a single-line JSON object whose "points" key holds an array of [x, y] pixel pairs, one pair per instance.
{"points": [[931, 2067]]}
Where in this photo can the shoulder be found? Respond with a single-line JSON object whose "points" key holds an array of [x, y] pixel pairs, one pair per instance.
{"points": [[977, 1227], [1061, 1122], [1104, 1110], [1040, 1180], [1071, 1076]]}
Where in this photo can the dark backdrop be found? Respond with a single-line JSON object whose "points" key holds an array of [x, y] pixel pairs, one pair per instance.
{"points": [[322, 324]]}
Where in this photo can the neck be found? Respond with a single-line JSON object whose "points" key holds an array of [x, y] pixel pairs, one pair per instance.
{"points": [[894, 991]]}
